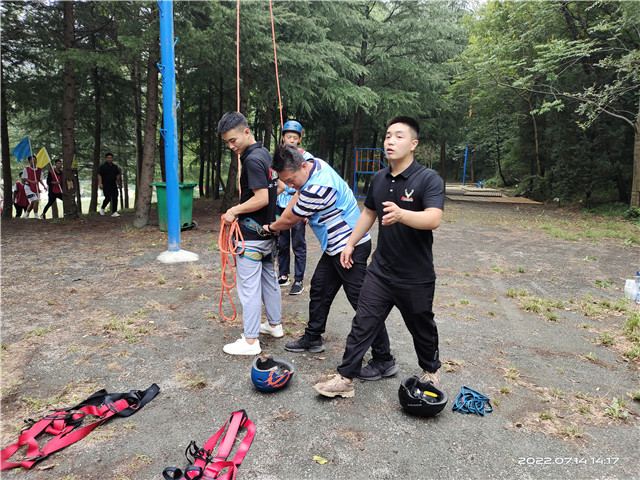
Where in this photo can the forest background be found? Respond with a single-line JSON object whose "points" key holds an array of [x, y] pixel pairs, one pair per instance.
{"points": [[545, 95]]}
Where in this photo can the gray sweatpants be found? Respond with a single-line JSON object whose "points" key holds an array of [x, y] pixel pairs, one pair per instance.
{"points": [[258, 283]]}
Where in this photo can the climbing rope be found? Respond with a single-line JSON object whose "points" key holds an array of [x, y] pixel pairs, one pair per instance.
{"points": [[275, 58], [471, 401], [230, 243]]}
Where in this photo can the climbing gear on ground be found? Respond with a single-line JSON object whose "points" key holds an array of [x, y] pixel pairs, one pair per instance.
{"points": [[204, 464], [420, 398], [472, 401], [66, 424], [270, 374]]}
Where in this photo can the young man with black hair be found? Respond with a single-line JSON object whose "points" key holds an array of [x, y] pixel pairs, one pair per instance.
{"points": [[109, 180], [257, 281], [54, 181], [407, 199], [32, 175], [326, 200], [293, 239]]}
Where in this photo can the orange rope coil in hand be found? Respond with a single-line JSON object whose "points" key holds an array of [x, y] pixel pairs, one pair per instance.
{"points": [[230, 243]]}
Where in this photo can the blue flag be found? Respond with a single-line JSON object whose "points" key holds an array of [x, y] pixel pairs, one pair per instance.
{"points": [[23, 150]]}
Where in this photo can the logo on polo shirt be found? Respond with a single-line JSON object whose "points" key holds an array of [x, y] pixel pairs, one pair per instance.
{"points": [[407, 196]]}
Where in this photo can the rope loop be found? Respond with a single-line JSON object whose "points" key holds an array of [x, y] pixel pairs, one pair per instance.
{"points": [[230, 243]]}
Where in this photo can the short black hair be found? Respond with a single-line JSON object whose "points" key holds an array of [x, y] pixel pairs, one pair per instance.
{"points": [[287, 157], [231, 120], [57, 160], [411, 122], [108, 154]]}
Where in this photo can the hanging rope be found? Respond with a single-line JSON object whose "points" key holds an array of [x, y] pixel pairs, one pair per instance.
{"points": [[230, 243], [275, 58]]}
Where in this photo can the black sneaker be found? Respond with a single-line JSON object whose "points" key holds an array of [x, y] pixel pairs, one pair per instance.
{"points": [[376, 369], [283, 281], [303, 343], [296, 288]]}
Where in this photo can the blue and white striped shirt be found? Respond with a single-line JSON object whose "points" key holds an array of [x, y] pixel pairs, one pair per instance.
{"points": [[328, 202]]}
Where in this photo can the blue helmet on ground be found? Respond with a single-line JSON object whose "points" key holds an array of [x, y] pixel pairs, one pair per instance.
{"points": [[420, 398], [292, 126], [270, 374]]}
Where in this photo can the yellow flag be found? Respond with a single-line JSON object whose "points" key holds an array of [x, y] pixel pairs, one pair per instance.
{"points": [[43, 158]]}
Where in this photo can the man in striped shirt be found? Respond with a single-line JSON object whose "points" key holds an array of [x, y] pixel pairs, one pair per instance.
{"points": [[326, 200]]}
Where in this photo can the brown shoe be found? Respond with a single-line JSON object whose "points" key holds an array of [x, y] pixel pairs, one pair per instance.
{"points": [[431, 377], [337, 385]]}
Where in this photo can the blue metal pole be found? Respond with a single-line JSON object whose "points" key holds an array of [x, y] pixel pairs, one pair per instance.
{"points": [[168, 70]]}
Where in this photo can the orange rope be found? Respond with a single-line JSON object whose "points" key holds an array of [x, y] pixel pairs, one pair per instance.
{"points": [[275, 57], [230, 243]]}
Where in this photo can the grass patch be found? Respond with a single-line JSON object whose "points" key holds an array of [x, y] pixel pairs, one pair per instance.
{"points": [[38, 332]]}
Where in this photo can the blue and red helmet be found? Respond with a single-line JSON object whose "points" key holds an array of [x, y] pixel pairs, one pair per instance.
{"points": [[292, 126], [270, 374]]}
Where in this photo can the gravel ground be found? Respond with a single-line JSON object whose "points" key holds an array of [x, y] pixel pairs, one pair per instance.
{"points": [[86, 306]]}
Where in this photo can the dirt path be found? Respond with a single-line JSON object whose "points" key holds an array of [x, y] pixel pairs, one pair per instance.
{"points": [[86, 306]]}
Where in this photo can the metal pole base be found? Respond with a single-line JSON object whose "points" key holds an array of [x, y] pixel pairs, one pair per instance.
{"points": [[177, 256]]}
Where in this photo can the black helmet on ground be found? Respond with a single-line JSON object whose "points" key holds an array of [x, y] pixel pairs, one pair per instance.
{"points": [[419, 398]]}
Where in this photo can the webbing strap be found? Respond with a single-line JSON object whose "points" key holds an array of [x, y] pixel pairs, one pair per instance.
{"points": [[208, 466], [64, 424]]}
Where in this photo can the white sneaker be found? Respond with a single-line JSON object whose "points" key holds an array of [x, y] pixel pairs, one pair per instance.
{"points": [[273, 331], [25, 215], [242, 347], [35, 215], [101, 211], [115, 214]]}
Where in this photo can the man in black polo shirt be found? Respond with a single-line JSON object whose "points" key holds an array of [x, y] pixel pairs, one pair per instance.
{"points": [[408, 201], [257, 280], [109, 180]]}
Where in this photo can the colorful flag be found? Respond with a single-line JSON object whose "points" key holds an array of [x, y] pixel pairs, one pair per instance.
{"points": [[43, 158], [23, 150]]}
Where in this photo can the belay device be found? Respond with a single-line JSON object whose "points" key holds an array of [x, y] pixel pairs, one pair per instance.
{"points": [[66, 424], [207, 465]]}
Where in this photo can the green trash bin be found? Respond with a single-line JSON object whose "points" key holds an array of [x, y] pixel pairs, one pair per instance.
{"points": [[186, 205]]}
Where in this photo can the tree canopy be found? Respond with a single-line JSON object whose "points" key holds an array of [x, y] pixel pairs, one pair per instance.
{"points": [[552, 87]]}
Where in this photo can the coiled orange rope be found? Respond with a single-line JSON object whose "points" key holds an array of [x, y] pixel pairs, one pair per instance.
{"points": [[230, 243]]}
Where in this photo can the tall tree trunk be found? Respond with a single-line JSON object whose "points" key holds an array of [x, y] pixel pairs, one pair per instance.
{"points": [[268, 123], [209, 133], [137, 107], [218, 182], [498, 160], [68, 120], [635, 185], [201, 147], [145, 189], [6, 154], [181, 120], [348, 171], [97, 140], [231, 191], [161, 156], [443, 159]]}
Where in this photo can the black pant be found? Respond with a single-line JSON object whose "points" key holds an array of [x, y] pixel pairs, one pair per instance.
{"points": [[52, 199], [296, 238], [378, 297], [111, 195], [19, 210], [327, 279]]}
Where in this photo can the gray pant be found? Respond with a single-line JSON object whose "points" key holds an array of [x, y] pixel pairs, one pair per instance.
{"points": [[258, 283]]}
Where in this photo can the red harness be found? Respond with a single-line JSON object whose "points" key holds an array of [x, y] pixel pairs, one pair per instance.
{"points": [[65, 424], [207, 466]]}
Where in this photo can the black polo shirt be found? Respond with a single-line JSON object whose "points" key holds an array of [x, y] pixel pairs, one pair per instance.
{"points": [[403, 254], [109, 173], [256, 173]]}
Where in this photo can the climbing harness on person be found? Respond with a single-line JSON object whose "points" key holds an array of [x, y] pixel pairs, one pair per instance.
{"points": [[205, 464], [66, 424]]}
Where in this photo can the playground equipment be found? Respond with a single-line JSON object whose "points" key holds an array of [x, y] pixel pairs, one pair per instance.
{"points": [[366, 162]]}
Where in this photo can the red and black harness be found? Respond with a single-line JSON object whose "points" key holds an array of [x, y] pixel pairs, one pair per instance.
{"points": [[205, 465], [66, 424]]}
